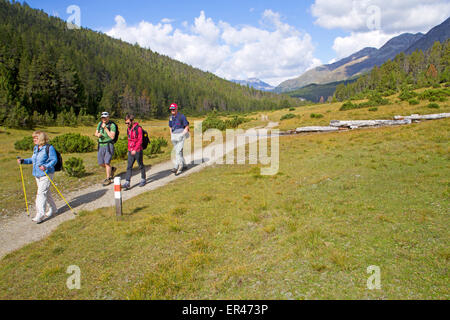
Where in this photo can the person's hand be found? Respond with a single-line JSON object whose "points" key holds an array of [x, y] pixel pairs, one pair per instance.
{"points": [[103, 125], [42, 168], [133, 153], [19, 161]]}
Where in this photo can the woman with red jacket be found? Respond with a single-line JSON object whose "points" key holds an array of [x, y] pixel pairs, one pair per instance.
{"points": [[135, 151]]}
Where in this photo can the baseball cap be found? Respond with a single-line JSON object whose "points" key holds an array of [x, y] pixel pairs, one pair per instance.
{"points": [[173, 106], [105, 115]]}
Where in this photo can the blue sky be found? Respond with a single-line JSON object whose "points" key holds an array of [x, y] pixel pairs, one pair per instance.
{"points": [[270, 40]]}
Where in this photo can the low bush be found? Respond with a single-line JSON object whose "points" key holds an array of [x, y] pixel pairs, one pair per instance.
{"points": [[316, 116], [407, 95], [413, 102], [121, 149], [73, 143], [74, 167], [287, 116], [347, 106], [373, 109], [155, 146], [26, 144], [213, 122], [433, 106]]}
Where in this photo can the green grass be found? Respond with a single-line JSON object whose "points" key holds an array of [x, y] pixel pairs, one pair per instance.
{"points": [[340, 203]]}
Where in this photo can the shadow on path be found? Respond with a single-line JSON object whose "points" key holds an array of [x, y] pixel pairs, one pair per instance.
{"points": [[81, 200]]}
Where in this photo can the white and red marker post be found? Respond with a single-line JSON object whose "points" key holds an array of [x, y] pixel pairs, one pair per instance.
{"points": [[118, 196]]}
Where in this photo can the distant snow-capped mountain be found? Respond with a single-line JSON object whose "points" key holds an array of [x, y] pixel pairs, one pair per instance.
{"points": [[255, 83]]}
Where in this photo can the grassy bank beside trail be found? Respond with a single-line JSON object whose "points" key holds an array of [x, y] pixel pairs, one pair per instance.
{"points": [[340, 203], [312, 115]]}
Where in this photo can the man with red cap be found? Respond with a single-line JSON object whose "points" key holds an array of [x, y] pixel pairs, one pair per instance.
{"points": [[180, 130]]}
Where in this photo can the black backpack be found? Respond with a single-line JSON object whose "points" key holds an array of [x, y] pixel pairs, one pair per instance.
{"points": [[145, 137], [116, 138], [59, 163]]}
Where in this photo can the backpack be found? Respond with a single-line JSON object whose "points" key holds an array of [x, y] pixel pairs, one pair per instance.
{"points": [[59, 163], [145, 138], [116, 138]]}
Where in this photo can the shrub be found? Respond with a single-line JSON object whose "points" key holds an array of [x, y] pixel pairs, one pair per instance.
{"points": [[373, 109], [213, 122], [291, 109], [433, 106], [316, 116], [155, 146], [121, 149], [407, 95], [73, 143], [26, 144], [413, 102], [74, 167], [287, 116], [347, 106]]}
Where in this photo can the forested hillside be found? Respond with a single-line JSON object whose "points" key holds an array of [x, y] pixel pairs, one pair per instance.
{"points": [[46, 68], [412, 71]]}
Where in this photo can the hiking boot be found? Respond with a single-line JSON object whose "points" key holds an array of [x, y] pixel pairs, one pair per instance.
{"points": [[143, 183], [179, 171], [174, 170], [38, 220], [113, 172], [107, 182], [126, 186]]}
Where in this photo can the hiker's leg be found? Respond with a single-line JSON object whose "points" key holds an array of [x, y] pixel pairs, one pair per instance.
{"points": [[140, 160], [50, 200], [41, 196], [109, 153], [179, 150], [131, 161], [174, 142], [108, 171]]}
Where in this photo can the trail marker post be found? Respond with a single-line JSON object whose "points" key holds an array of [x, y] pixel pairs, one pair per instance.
{"points": [[118, 196]]}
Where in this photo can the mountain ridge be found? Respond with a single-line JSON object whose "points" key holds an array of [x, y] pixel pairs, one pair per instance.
{"points": [[346, 68]]}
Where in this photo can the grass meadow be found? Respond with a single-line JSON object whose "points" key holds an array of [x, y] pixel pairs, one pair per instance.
{"points": [[341, 202]]}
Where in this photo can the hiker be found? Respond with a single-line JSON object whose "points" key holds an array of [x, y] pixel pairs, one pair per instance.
{"points": [[106, 132], [135, 151], [180, 131], [43, 162]]}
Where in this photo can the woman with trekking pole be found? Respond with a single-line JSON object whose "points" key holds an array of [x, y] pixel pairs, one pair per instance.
{"points": [[43, 160]]}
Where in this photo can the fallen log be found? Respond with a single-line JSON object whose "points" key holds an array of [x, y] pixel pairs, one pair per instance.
{"points": [[415, 117], [316, 129], [368, 123]]}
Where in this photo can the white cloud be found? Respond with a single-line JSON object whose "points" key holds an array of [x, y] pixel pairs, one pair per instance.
{"points": [[273, 52], [396, 16], [345, 46], [373, 22]]}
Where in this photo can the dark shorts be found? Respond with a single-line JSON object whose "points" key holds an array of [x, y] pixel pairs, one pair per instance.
{"points": [[105, 154]]}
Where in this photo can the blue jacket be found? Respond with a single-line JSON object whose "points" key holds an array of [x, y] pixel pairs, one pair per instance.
{"points": [[40, 158]]}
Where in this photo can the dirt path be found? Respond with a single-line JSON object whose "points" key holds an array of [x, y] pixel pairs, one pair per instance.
{"points": [[18, 231]]}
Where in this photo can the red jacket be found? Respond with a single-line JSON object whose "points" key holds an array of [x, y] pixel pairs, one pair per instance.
{"points": [[135, 140]]}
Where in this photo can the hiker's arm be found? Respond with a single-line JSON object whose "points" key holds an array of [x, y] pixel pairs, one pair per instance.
{"points": [[186, 125], [140, 137], [97, 134], [111, 133]]}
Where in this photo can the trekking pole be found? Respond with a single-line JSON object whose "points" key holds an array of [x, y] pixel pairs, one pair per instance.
{"points": [[60, 194], [23, 185]]}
